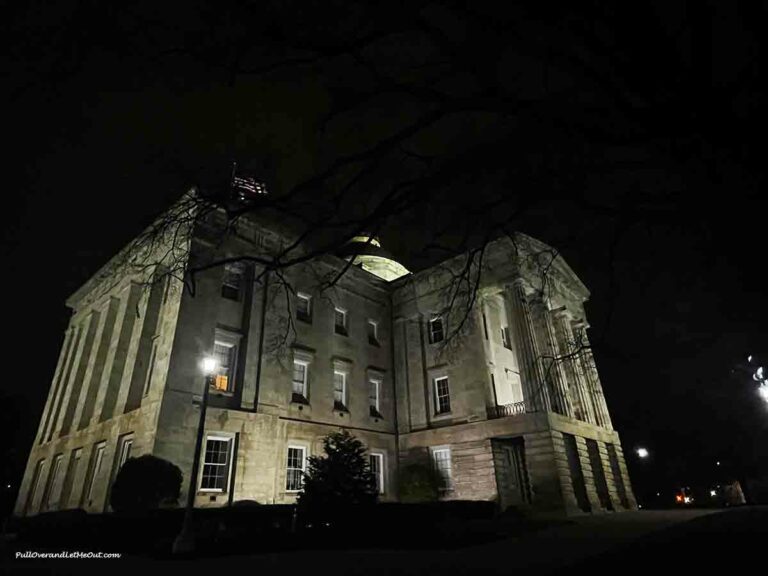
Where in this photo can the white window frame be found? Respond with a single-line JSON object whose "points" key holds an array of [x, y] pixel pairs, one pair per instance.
{"points": [[380, 476], [304, 382], [344, 324], [308, 299], [126, 444], [98, 460], [447, 479], [303, 468], [506, 340], [231, 340], [343, 375], [230, 447], [373, 336], [437, 396], [233, 269], [374, 384], [433, 332]]}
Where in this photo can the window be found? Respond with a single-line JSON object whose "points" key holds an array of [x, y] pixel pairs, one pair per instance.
{"points": [[152, 358], [300, 378], [340, 321], [69, 477], [505, 340], [295, 468], [441, 459], [232, 284], [376, 462], [442, 395], [51, 485], [485, 326], [225, 353], [339, 390], [373, 333], [303, 307], [436, 332], [373, 397], [96, 462], [35, 485], [125, 450], [216, 463]]}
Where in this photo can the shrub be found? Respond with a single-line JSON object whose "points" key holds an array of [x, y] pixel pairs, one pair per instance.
{"points": [[338, 481], [419, 482], [146, 483]]}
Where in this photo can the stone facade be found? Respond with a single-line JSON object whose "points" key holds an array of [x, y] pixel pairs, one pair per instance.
{"points": [[493, 386]]}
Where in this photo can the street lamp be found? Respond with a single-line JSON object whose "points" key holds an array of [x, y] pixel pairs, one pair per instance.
{"points": [[642, 453], [185, 541]]}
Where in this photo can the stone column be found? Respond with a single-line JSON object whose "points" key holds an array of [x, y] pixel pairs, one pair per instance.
{"points": [[55, 385], [551, 364], [572, 364], [526, 348], [593, 380]]}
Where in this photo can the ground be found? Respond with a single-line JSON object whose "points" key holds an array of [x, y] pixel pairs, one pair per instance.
{"points": [[641, 541]]}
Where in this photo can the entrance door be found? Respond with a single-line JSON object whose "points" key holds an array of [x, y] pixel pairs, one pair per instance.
{"points": [[512, 474]]}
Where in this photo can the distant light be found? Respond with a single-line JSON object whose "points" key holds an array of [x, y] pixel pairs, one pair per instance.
{"points": [[209, 365], [642, 452], [8, 486], [658, 493], [749, 358], [678, 498], [640, 506], [688, 499], [713, 493], [718, 462]]}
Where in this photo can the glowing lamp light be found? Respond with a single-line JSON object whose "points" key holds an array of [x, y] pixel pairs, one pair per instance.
{"points": [[763, 391], [749, 358], [687, 499], [679, 498], [713, 493], [642, 452], [208, 365]]}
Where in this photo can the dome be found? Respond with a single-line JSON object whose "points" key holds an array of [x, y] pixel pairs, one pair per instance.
{"points": [[366, 252]]}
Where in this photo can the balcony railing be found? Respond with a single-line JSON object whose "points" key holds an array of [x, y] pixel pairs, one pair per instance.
{"points": [[502, 410]]}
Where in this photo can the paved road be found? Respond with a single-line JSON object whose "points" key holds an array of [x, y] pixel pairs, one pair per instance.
{"points": [[651, 541]]}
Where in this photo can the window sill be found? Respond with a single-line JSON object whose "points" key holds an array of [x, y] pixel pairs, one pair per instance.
{"points": [[375, 413], [299, 399], [217, 392], [340, 408], [305, 319], [341, 332], [374, 343]]}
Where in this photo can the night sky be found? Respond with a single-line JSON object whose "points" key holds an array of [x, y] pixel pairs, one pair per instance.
{"points": [[635, 145]]}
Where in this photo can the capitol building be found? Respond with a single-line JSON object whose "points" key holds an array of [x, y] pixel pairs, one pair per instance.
{"points": [[495, 387]]}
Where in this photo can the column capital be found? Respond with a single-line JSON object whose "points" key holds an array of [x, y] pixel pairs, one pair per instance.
{"points": [[580, 323], [561, 313]]}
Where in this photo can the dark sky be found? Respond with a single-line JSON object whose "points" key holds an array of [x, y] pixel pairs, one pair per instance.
{"points": [[111, 113]]}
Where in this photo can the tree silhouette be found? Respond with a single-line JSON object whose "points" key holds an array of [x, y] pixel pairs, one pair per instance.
{"points": [[338, 482], [145, 483]]}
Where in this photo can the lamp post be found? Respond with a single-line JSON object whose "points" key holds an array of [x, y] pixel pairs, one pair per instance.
{"points": [[185, 541]]}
